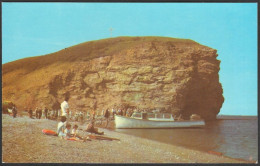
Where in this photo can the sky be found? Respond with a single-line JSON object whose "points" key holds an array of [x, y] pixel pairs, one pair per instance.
{"points": [[33, 29]]}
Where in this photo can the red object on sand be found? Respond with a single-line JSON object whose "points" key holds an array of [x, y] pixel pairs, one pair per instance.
{"points": [[49, 132], [72, 139]]}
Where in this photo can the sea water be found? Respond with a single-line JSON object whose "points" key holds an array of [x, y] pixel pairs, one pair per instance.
{"points": [[236, 138]]}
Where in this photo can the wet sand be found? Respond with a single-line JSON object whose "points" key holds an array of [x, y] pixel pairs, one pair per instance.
{"points": [[23, 142]]}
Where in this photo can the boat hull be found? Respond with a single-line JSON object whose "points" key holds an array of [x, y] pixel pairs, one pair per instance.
{"points": [[122, 122]]}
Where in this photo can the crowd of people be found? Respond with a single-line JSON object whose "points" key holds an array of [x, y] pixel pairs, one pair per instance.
{"points": [[67, 127], [78, 116], [43, 113], [67, 116]]}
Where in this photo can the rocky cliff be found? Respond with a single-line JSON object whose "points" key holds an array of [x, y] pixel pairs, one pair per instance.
{"points": [[174, 75]]}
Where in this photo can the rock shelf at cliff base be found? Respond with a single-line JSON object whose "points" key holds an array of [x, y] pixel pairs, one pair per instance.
{"points": [[173, 75], [23, 142]]}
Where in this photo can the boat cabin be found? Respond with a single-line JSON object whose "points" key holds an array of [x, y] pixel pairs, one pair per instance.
{"points": [[153, 116]]}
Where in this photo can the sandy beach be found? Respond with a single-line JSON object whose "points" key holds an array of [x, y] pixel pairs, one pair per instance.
{"points": [[23, 142]]}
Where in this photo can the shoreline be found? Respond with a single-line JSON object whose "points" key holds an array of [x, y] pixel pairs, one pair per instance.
{"points": [[112, 128], [215, 153], [26, 144]]}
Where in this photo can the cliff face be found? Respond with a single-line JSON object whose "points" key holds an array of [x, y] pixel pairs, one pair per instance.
{"points": [[174, 75]]}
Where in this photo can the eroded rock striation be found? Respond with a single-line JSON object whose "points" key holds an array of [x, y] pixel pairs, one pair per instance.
{"points": [[174, 75]]}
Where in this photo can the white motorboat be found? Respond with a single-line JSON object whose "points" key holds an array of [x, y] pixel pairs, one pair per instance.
{"points": [[154, 120]]}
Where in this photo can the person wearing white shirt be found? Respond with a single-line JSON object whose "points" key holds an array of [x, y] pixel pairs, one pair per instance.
{"points": [[61, 127], [65, 108]]}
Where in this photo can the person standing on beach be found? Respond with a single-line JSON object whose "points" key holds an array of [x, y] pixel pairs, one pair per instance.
{"points": [[30, 112], [106, 115], [131, 113], [113, 113], [37, 113], [46, 112], [65, 108], [56, 114], [120, 112], [14, 111], [40, 113], [123, 112]]}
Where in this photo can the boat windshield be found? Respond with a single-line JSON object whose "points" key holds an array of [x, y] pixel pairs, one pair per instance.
{"points": [[152, 115]]}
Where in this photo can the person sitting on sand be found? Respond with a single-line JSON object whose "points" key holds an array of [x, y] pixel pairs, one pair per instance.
{"points": [[74, 132], [92, 129], [70, 136], [61, 127], [67, 131]]}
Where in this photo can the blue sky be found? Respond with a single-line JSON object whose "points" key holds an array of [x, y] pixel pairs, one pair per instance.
{"points": [[33, 29]]}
